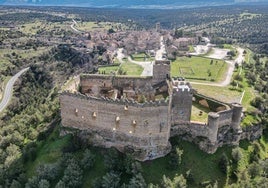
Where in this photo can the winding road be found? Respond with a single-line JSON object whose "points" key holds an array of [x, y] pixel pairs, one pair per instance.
{"points": [[72, 26], [8, 89]]}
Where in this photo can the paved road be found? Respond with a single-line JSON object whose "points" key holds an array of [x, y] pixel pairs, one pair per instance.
{"points": [[8, 90], [72, 26], [159, 53], [146, 65]]}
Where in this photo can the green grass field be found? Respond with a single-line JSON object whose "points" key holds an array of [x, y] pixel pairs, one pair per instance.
{"points": [[224, 94], [199, 68], [132, 69], [197, 116], [108, 69]]}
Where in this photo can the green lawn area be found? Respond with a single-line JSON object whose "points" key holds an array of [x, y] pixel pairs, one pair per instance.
{"points": [[224, 94], [141, 57], [132, 69], [197, 116], [199, 68], [108, 69], [228, 46]]}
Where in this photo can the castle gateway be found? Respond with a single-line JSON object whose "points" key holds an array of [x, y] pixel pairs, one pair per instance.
{"points": [[138, 115]]}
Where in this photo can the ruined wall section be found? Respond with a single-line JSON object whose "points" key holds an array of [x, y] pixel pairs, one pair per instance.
{"points": [[93, 82], [222, 128], [122, 124], [161, 71]]}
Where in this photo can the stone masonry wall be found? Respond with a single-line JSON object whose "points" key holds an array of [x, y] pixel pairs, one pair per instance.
{"points": [[119, 124]]}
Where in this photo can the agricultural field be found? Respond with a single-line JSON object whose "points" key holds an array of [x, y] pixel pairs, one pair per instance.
{"points": [[199, 68]]}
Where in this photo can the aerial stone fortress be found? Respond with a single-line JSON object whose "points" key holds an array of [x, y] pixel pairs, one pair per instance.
{"points": [[138, 115]]}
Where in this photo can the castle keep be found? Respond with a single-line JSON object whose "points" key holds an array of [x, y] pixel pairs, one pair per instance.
{"points": [[138, 115]]}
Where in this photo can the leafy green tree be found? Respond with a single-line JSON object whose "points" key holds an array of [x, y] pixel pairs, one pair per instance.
{"points": [[48, 171], [32, 182], [60, 184], [178, 182], [254, 170], [137, 181], [224, 163], [88, 159], [15, 184], [111, 180], [237, 154], [73, 175], [178, 33], [43, 183]]}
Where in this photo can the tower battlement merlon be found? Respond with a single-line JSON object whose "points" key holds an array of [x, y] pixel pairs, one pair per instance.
{"points": [[162, 62], [181, 86]]}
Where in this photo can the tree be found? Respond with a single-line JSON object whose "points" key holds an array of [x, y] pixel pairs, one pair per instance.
{"points": [[60, 184], [254, 170], [177, 182], [111, 30], [224, 163], [15, 184], [48, 171], [137, 181], [72, 175], [237, 154], [32, 182], [88, 36], [110, 180], [88, 159], [43, 183], [178, 33]]}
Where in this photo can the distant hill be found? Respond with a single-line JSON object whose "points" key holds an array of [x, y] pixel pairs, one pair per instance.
{"points": [[130, 3]]}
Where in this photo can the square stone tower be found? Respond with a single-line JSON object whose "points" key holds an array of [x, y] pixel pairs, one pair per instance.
{"points": [[161, 71], [181, 105]]}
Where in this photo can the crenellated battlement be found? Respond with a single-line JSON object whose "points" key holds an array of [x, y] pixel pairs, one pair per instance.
{"points": [[162, 102], [181, 86]]}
